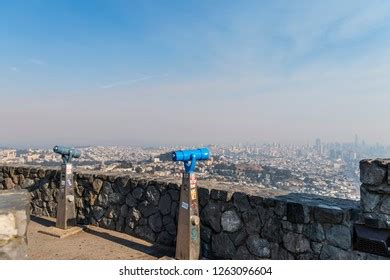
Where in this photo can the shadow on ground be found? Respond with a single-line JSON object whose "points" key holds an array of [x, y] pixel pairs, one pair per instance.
{"points": [[121, 240], [155, 249]]}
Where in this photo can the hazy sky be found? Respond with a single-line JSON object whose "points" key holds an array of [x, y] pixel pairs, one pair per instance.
{"points": [[189, 72]]}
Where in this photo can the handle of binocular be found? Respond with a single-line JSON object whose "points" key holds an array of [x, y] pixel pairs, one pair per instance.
{"points": [[190, 166]]}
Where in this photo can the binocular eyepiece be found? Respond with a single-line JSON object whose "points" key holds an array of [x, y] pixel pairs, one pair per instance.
{"points": [[67, 153], [187, 155], [190, 155]]}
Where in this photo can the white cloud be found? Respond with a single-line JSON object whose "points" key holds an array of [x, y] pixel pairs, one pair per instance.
{"points": [[130, 82], [37, 61]]}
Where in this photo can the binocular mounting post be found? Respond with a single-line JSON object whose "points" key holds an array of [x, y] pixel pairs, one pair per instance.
{"points": [[188, 232], [66, 208]]}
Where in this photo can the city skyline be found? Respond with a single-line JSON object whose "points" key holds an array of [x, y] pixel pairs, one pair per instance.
{"points": [[182, 73], [356, 140]]}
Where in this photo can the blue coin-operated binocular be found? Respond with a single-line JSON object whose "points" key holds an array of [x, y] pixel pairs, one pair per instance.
{"points": [[67, 153], [191, 155]]}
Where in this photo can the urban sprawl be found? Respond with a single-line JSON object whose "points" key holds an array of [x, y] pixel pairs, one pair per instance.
{"points": [[330, 169]]}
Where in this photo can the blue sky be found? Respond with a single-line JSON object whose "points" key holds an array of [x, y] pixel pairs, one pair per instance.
{"points": [[191, 72]]}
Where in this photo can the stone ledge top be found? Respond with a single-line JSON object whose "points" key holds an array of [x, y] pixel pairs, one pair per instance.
{"points": [[227, 187], [14, 200], [384, 162]]}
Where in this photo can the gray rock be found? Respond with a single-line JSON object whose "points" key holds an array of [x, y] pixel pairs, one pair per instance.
{"points": [[222, 246], [385, 206], [167, 219], [47, 195], [339, 236], [28, 183], [377, 220], [211, 216], [152, 195], [175, 194], [279, 253], [205, 250], [113, 212], [272, 230], [329, 252], [368, 200], [316, 247], [124, 210], [298, 213], [165, 238], [280, 208], [258, 246], [134, 214], [240, 200], [121, 185], [288, 226], [130, 200], [79, 202], [205, 233], [155, 222], [264, 214], [328, 214], [129, 230], [102, 200], [379, 189], [143, 222], [8, 184], [171, 229], [98, 212], [219, 195], [145, 232], [314, 232], [230, 221], [106, 188], [307, 256], [296, 243], [107, 223], [371, 173], [138, 193], [283, 254], [252, 221], [204, 196], [239, 237], [97, 185], [174, 209], [147, 208], [41, 173], [164, 204], [243, 254], [116, 198], [120, 224]]}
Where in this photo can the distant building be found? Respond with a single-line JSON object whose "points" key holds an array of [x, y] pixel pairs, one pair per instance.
{"points": [[7, 154], [319, 147]]}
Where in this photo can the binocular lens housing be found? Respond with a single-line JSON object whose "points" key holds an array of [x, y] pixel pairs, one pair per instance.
{"points": [[185, 155], [65, 151]]}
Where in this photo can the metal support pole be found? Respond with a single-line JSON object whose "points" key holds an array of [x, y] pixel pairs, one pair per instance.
{"points": [[66, 209], [188, 232]]}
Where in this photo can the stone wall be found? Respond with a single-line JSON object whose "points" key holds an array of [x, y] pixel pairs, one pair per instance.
{"points": [[234, 224], [375, 193], [14, 218]]}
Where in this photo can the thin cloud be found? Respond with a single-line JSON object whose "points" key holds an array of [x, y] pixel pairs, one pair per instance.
{"points": [[37, 61], [14, 69], [130, 82]]}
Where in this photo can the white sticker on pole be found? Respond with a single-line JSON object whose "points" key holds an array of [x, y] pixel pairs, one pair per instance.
{"points": [[68, 169], [184, 205]]}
